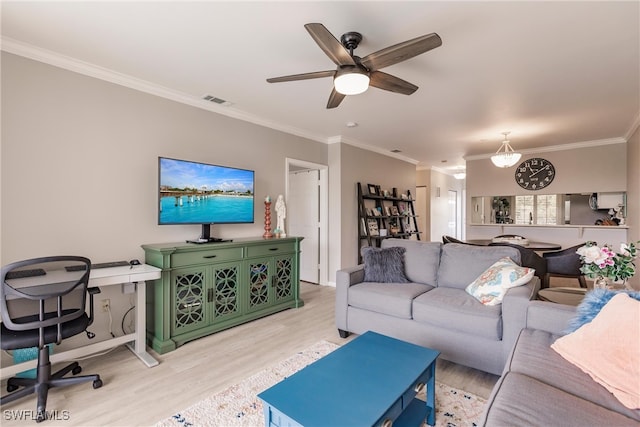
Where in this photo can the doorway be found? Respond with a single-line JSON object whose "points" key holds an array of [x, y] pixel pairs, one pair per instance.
{"points": [[307, 213], [422, 211]]}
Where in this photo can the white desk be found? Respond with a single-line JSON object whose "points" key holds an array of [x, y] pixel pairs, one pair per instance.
{"points": [[136, 341]]}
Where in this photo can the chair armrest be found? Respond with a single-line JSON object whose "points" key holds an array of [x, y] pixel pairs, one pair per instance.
{"points": [[344, 279], [92, 291], [549, 316], [514, 311]]}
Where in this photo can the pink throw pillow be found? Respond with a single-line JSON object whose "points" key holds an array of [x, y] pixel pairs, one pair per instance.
{"points": [[608, 349]]}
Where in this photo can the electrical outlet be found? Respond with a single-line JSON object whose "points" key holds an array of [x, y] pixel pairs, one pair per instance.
{"points": [[106, 305]]}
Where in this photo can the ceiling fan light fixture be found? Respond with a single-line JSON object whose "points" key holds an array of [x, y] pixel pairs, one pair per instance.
{"points": [[505, 157], [351, 81]]}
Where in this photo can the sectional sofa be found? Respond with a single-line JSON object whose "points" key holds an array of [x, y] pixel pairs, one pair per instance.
{"points": [[433, 309], [540, 388]]}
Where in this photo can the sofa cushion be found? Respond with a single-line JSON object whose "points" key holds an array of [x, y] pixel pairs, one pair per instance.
{"points": [[455, 309], [393, 299], [385, 265], [421, 259], [519, 400], [489, 288], [461, 264], [533, 356], [607, 349]]}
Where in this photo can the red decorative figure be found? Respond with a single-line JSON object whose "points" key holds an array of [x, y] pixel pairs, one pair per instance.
{"points": [[267, 219]]}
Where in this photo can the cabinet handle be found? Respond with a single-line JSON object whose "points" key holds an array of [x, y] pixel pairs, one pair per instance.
{"points": [[210, 295], [420, 387], [209, 256], [387, 423], [273, 281], [189, 305], [273, 249]]}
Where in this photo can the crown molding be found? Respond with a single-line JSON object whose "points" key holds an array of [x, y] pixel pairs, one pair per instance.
{"points": [[633, 128], [85, 68], [563, 147], [354, 143]]}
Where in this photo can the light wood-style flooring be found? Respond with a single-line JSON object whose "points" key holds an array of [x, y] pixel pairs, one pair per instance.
{"points": [[134, 395]]}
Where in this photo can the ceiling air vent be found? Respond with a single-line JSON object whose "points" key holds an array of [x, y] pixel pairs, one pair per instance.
{"points": [[217, 100]]}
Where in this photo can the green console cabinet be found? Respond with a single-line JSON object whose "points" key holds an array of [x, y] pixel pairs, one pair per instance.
{"points": [[214, 286]]}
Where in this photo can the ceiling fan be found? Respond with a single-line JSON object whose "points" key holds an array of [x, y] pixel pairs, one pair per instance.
{"points": [[354, 74]]}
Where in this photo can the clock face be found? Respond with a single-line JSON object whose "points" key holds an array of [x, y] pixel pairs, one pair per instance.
{"points": [[535, 174]]}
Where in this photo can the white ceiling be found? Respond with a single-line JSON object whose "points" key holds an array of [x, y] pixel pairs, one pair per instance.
{"points": [[552, 73]]}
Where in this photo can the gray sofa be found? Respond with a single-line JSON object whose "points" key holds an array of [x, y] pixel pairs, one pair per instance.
{"points": [[433, 309], [540, 388]]}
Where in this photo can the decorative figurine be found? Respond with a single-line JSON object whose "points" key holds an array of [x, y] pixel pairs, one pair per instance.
{"points": [[281, 211]]}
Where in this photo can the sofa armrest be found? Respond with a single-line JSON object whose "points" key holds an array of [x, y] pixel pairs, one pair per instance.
{"points": [[514, 311], [344, 279], [549, 316]]}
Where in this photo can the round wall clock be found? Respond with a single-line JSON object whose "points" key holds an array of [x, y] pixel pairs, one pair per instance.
{"points": [[535, 174]]}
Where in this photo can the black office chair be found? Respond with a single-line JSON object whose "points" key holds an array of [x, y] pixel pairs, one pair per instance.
{"points": [[45, 307], [565, 263], [529, 258]]}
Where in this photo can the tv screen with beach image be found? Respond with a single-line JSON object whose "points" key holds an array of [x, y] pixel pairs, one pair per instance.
{"points": [[200, 193]]}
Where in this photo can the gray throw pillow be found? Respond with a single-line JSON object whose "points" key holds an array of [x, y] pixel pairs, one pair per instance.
{"points": [[384, 265]]}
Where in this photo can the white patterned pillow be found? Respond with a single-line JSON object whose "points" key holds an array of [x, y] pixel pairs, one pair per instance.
{"points": [[491, 286]]}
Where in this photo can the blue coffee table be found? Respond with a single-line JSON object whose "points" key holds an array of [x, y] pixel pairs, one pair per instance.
{"points": [[371, 381]]}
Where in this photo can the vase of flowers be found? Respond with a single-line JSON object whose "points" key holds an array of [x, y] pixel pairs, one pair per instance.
{"points": [[602, 264]]}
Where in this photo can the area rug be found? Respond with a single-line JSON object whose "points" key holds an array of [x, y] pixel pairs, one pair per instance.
{"points": [[239, 405]]}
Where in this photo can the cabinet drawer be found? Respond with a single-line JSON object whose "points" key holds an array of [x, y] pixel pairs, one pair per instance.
{"points": [[270, 249], [181, 259]]}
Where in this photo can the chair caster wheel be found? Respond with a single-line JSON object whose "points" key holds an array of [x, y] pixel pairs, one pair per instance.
{"points": [[11, 387], [97, 384], [76, 370]]}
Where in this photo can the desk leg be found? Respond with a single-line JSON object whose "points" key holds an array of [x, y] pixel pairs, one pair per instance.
{"points": [[139, 345]]}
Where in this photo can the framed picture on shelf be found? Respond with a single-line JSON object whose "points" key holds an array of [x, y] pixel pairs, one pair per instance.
{"points": [[408, 225], [374, 190], [373, 227], [394, 210], [402, 208]]}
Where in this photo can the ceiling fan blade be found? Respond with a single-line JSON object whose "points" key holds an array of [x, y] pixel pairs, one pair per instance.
{"points": [[401, 51], [304, 76], [335, 99], [391, 83], [329, 44]]}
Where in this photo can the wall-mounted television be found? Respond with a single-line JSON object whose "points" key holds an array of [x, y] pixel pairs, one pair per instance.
{"points": [[199, 193]]}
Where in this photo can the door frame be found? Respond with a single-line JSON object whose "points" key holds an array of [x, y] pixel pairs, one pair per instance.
{"points": [[323, 238]]}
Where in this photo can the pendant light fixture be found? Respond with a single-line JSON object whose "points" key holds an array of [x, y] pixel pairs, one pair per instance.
{"points": [[505, 157]]}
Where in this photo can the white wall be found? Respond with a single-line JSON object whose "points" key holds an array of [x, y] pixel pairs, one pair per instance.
{"points": [[79, 166], [581, 170], [438, 205], [358, 165], [633, 195], [423, 179], [79, 162]]}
